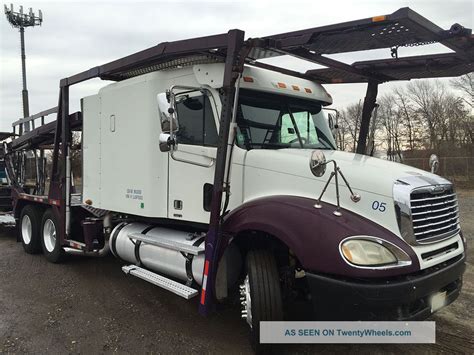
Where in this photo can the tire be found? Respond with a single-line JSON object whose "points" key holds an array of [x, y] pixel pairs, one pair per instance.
{"points": [[50, 241], [29, 229], [262, 284]]}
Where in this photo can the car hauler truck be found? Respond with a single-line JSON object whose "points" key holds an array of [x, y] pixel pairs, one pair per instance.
{"points": [[213, 174]]}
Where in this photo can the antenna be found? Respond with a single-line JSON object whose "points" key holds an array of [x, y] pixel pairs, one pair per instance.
{"points": [[21, 20]]}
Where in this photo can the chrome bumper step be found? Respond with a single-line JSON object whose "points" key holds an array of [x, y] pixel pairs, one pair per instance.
{"points": [[161, 281]]}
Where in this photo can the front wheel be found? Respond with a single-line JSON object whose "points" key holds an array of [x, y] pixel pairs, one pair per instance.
{"points": [[260, 293], [50, 240]]}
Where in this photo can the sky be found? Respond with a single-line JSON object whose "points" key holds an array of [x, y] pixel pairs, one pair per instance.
{"points": [[76, 36]]}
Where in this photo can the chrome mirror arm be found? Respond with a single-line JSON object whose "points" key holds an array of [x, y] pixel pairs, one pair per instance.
{"points": [[318, 201], [337, 212], [354, 196]]}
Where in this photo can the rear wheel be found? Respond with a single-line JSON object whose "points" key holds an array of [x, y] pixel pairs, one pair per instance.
{"points": [[260, 293], [50, 240], [29, 225]]}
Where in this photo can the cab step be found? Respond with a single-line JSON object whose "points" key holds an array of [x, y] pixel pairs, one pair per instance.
{"points": [[168, 244], [161, 281]]}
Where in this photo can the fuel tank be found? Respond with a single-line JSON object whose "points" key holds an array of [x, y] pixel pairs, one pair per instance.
{"points": [[168, 261]]}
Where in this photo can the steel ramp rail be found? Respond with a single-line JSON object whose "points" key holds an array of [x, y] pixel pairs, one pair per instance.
{"points": [[403, 27], [168, 244], [161, 281], [44, 134]]}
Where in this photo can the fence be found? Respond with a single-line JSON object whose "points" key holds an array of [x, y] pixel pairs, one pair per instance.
{"points": [[460, 170]]}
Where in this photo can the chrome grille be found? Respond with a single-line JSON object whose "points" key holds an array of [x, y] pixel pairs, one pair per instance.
{"points": [[434, 215]]}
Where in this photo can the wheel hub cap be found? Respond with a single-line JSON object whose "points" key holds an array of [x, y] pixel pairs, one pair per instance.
{"points": [[246, 301], [26, 229], [49, 235]]}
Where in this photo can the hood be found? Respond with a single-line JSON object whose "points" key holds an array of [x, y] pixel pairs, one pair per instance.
{"points": [[363, 173], [287, 172]]}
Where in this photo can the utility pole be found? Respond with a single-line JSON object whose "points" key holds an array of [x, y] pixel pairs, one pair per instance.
{"points": [[21, 20]]}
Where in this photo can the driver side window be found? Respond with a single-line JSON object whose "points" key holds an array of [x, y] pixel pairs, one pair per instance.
{"points": [[196, 122]]}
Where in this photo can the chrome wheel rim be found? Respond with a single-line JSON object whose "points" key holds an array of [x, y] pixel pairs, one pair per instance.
{"points": [[26, 229], [246, 301], [49, 235]]}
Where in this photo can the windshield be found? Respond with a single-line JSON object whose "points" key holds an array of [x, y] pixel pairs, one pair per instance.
{"points": [[269, 121]]}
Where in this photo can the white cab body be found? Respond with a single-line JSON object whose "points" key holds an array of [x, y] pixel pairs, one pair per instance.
{"points": [[124, 170]]}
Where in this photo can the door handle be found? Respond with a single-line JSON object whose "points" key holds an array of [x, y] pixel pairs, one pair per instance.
{"points": [[208, 165]]}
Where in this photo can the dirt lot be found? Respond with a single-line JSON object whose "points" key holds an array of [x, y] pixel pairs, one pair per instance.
{"points": [[90, 306]]}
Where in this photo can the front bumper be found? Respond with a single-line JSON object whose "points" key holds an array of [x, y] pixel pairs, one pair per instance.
{"points": [[403, 298]]}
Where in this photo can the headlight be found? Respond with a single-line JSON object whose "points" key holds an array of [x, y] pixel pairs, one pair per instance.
{"points": [[373, 252]]}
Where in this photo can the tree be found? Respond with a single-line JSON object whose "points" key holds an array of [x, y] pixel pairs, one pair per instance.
{"points": [[423, 114], [423, 95], [391, 122], [465, 84], [350, 118], [409, 118]]}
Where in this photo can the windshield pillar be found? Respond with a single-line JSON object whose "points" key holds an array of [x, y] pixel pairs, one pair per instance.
{"points": [[369, 105]]}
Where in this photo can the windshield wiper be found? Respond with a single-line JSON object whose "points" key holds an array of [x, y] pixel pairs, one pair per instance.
{"points": [[295, 125]]}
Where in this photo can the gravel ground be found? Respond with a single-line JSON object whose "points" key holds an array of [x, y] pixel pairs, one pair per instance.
{"points": [[90, 306]]}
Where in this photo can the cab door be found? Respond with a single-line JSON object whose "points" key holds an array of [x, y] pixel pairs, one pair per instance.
{"points": [[192, 164]]}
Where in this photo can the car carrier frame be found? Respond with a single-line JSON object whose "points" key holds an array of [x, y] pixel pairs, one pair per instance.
{"points": [[401, 28]]}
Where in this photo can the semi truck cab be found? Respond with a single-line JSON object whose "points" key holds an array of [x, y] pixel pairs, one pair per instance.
{"points": [[384, 239]]}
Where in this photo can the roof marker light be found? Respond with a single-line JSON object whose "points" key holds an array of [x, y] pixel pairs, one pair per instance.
{"points": [[295, 87], [308, 90], [248, 79], [378, 18], [282, 85]]}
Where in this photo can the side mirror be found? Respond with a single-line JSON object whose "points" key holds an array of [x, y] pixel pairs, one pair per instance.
{"points": [[331, 122], [434, 163], [169, 123], [317, 163], [166, 142]]}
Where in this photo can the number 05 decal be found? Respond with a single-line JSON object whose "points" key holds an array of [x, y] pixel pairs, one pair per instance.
{"points": [[379, 206]]}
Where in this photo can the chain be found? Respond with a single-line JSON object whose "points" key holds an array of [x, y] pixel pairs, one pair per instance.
{"points": [[417, 44], [394, 50]]}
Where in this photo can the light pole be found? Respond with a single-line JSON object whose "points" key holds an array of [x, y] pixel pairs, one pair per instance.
{"points": [[21, 20]]}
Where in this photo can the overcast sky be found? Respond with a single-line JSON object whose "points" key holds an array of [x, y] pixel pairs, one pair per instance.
{"points": [[76, 36]]}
